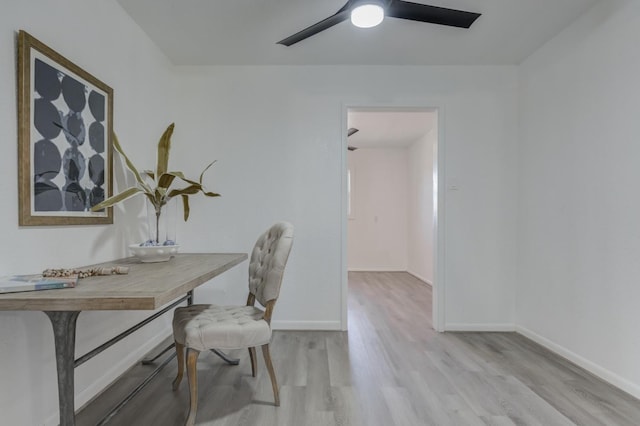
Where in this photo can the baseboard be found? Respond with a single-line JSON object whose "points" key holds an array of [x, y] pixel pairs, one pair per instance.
{"points": [[608, 376], [376, 269], [423, 279], [486, 327], [307, 325]]}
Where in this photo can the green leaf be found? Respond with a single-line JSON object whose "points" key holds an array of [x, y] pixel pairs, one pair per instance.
{"points": [[205, 169], [181, 175], [129, 164], [189, 190], [160, 194], [155, 201], [185, 204], [164, 146], [156, 185], [128, 193], [166, 180], [149, 173]]}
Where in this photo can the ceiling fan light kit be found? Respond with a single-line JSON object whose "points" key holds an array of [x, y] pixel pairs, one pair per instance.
{"points": [[379, 9], [367, 14]]}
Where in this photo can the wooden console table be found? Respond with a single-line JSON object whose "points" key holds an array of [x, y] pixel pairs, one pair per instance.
{"points": [[148, 286]]}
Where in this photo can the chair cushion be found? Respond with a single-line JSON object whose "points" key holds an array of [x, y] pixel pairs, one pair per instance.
{"points": [[203, 327]]}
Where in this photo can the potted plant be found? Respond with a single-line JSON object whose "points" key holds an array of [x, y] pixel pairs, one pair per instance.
{"points": [[157, 187]]}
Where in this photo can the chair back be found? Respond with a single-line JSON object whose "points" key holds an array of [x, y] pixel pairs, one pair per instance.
{"points": [[268, 259]]}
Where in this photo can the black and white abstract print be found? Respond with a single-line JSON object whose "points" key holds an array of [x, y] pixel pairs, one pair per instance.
{"points": [[68, 134]]}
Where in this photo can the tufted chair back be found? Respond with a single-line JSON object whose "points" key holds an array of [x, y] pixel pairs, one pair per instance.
{"points": [[268, 259]]}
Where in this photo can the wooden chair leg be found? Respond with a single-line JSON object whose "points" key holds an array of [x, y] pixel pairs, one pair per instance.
{"points": [[192, 375], [180, 357], [272, 373], [254, 361]]}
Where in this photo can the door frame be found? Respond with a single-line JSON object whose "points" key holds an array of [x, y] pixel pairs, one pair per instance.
{"points": [[439, 279]]}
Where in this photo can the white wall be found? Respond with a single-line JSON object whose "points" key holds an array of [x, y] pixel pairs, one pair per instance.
{"points": [[377, 230], [101, 38], [277, 134], [420, 207], [579, 204]]}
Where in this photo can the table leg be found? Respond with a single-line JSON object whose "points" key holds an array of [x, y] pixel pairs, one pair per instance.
{"points": [[64, 335]]}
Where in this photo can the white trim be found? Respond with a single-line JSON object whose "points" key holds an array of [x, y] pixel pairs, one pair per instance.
{"points": [[424, 280], [485, 327], [307, 325], [595, 369], [344, 288], [439, 284]]}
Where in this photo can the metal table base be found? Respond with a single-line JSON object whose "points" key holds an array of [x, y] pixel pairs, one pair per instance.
{"points": [[64, 332]]}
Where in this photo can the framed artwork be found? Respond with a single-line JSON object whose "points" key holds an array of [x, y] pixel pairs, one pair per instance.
{"points": [[65, 126]]}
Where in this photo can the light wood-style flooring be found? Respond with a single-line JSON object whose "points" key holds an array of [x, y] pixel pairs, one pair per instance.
{"points": [[391, 368]]}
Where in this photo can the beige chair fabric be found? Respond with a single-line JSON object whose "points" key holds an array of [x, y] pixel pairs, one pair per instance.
{"points": [[268, 258], [203, 327]]}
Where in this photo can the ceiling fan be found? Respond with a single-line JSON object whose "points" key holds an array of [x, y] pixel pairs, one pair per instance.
{"points": [[369, 13]]}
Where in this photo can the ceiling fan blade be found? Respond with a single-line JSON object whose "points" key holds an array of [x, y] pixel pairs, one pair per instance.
{"points": [[314, 29], [351, 131], [432, 14]]}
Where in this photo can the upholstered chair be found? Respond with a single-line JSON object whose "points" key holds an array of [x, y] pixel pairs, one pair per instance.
{"points": [[203, 327]]}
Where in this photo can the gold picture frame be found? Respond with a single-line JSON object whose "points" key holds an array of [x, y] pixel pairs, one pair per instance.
{"points": [[65, 147]]}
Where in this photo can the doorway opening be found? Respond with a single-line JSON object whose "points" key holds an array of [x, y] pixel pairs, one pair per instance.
{"points": [[390, 226]]}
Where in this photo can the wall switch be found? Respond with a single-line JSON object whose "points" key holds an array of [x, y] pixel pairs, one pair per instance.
{"points": [[453, 184]]}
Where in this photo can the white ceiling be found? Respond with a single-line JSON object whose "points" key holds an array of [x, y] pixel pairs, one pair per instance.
{"points": [[245, 32], [393, 128]]}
